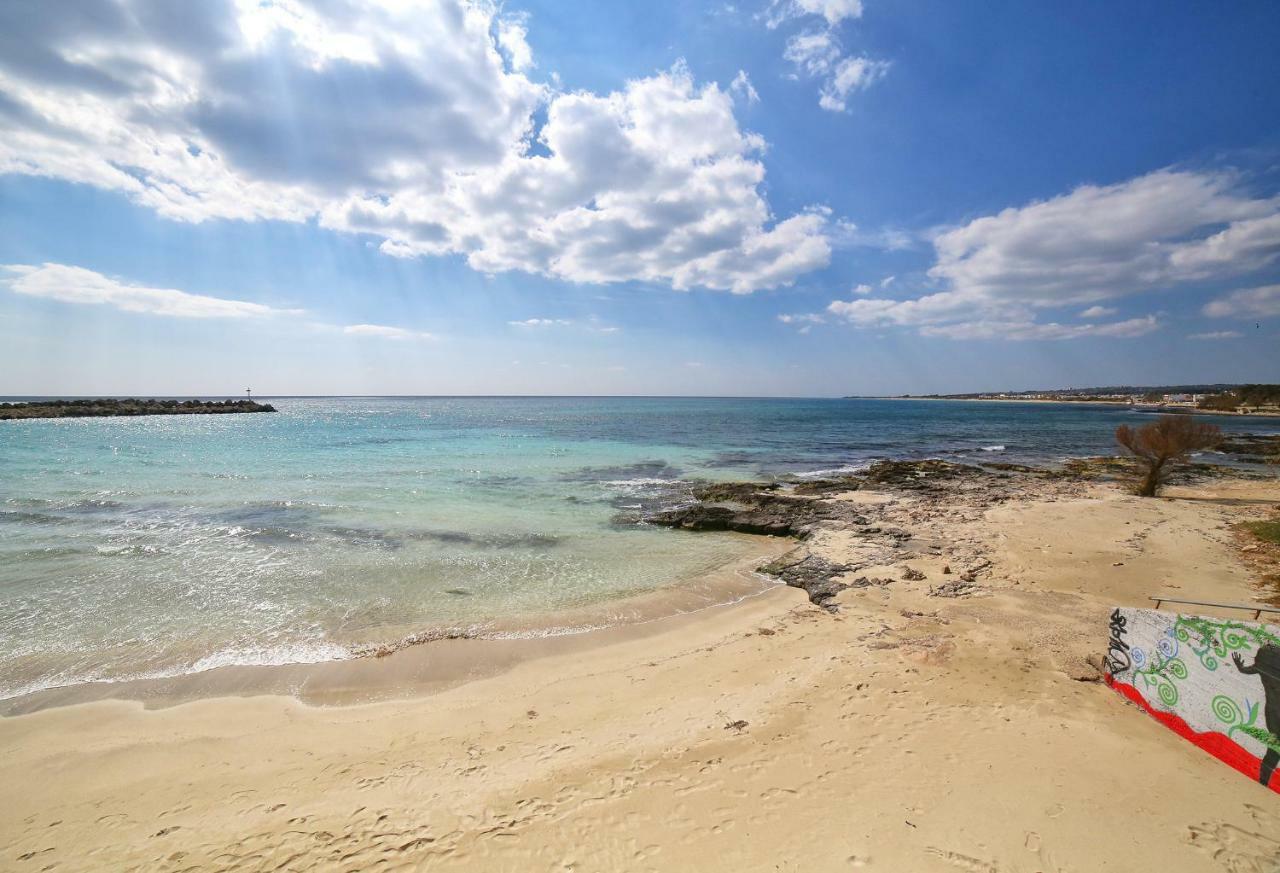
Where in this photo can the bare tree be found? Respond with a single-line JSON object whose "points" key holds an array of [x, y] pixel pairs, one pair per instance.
{"points": [[1170, 439]]}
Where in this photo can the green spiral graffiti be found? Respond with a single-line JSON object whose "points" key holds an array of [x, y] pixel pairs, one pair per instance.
{"points": [[1168, 693], [1177, 668], [1227, 710], [1213, 640]]}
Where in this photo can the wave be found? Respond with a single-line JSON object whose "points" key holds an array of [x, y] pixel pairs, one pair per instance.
{"points": [[846, 470], [300, 652]]}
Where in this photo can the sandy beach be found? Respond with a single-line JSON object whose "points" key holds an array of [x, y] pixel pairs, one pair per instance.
{"points": [[944, 719]]}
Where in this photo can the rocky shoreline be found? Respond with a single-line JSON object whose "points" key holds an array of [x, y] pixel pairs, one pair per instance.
{"points": [[111, 406], [894, 511]]}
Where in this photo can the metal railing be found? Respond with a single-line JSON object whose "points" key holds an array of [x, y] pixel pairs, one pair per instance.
{"points": [[1256, 609]]}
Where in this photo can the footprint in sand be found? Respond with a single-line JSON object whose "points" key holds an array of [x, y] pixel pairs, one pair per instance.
{"points": [[1249, 849]]}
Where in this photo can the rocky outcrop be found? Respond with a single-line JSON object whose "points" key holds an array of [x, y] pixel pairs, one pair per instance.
{"points": [[112, 406], [814, 575], [750, 508]]}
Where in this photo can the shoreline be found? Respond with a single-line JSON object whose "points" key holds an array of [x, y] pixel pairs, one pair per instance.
{"points": [[428, 661], [1144, 407], [423, 662], [908, 718]]}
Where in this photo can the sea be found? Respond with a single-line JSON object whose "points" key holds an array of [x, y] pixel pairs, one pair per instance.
{"points": [[160, 546]]}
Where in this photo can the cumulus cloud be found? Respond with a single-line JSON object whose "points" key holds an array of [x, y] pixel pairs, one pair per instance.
{"points": [[1216, 335], [1261, 302], [1101, 242], [69, 284], [382, 331], [412, 121], [1093, 244]]}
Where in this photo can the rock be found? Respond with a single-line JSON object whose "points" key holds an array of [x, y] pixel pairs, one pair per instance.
{"points": [[752, 508], [958, 588], [814, 575], [946, 570], [911, 574]]}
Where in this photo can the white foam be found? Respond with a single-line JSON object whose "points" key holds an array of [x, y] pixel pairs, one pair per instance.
{"points": [[251, 656], [846, 470], [993, 448]]}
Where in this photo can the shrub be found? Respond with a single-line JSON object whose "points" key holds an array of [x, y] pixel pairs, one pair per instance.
{"points": [[1170, 439]]}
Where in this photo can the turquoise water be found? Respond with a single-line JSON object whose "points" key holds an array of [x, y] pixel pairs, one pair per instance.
{"points": [[165, 545]]}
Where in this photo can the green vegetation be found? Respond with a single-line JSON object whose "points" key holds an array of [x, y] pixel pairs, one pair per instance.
{"points": [[1248, 396], [112, 406], [1267, 531]]}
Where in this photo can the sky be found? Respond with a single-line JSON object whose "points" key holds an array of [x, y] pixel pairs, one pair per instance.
{"points": [[781, 197]]}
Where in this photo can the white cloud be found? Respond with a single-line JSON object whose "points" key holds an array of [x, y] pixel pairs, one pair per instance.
{"points": [[77, 285], [847, 234], [513, 40], [1216, 335], [414, 122], [805, 321], [1261, 302], [887, 281], [382, 331], [741, 87], [541, 322], [951, 315], [818, 54], [1091, 245], [1030, 330], [1101, 242], [850, 74], [813, 52], [1099, 312], [592, 324], [834, 11], [862, 290]]}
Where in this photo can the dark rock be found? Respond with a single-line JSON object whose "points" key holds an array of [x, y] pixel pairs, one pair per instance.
{"points": [[911, 574], [916, 475], [957, 588], [814, 575]]}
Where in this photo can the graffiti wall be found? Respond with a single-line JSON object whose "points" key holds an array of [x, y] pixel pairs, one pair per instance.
{"points": [[1213, 681]]}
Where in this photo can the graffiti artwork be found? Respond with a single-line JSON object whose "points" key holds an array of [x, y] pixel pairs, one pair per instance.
{"points": [[1215, 682]]}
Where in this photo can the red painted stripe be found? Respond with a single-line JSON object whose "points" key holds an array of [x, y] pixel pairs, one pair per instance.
{"points": [[1215, 743]]}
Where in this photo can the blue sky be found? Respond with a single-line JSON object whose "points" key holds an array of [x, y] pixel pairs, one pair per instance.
{"points": [[803, 197]]}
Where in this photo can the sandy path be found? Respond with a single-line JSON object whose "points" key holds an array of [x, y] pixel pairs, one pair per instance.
{"points": [[906, 733]]}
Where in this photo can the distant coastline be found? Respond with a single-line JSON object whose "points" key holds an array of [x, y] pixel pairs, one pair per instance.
{"points": [[111, 407], [1172, 408]]}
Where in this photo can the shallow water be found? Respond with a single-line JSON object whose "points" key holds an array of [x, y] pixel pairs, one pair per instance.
{"points": [[166, 545]]}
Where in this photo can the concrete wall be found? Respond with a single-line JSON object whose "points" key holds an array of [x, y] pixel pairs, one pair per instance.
{"points": [[1214, 681]]}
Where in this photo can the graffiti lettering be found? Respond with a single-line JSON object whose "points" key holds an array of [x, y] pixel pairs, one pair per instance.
{"points": [[1117, 660]]}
